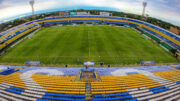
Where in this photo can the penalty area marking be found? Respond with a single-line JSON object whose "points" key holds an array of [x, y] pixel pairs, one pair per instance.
{"points": [[28, 36]]}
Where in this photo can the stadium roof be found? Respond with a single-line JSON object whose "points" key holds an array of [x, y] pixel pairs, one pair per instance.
{"points": [[167, 10]]}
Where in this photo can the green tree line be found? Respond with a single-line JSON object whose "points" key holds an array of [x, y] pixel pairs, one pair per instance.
{"points": [[155, 21]]}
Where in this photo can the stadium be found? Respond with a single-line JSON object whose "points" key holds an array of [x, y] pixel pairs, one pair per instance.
{"points": [[80, 56]]}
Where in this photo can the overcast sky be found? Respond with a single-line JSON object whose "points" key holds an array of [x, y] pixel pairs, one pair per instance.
{"points": [[168, 10]]}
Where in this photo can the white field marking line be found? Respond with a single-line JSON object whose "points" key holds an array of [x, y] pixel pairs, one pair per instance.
{"points": [[74, 57], [117, 60], [94, 37], [111, 50], [89, 43], [164, 48], [93, 47], [135, 30], [160, 39], [28, 36], [150, 38]]}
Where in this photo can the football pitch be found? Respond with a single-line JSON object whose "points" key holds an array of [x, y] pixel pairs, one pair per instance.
{"points": [[75, 44]]}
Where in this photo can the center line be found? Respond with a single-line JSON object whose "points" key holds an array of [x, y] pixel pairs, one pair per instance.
{"points": [[89, 43]]}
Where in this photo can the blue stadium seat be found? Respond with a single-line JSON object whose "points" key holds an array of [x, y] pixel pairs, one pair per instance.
{"points": [[62, 99], [114, 98], [64, 95], [155, 88], [158, 89], [13, 91], [111, 95], [178, 82], [19, 89]]}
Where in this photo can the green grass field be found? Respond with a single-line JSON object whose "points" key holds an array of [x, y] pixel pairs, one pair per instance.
{"points": [[75, 44]]}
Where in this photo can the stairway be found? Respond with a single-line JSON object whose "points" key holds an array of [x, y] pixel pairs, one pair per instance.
{"points": [[88, 91]]}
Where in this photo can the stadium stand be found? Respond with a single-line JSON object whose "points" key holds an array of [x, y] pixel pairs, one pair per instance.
{"points": [[163, 84], [137, 84], [155, 32], [174, 76]]}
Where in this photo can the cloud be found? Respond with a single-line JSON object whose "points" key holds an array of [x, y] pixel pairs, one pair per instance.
{"points": [[167, 10]]}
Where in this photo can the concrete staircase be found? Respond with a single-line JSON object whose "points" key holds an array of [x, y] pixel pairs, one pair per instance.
{"points": [[88, 91]]}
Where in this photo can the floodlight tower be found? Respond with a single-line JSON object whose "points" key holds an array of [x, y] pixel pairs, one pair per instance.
{"points": [[31, 2], [144, 8]]}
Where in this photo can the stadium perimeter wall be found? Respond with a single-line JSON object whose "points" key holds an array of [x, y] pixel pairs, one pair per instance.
{"points": [[10, 36]]}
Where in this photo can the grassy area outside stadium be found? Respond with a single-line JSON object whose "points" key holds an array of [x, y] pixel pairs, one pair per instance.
{"points": [[75, 44]]}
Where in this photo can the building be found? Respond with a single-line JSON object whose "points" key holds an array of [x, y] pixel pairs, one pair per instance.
{"points": [[61, 13], [105, 14], [83, 13], [175, 30]]}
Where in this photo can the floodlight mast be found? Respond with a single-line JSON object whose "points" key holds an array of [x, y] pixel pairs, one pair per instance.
{"points": [[144, 8], [31, 2]]}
